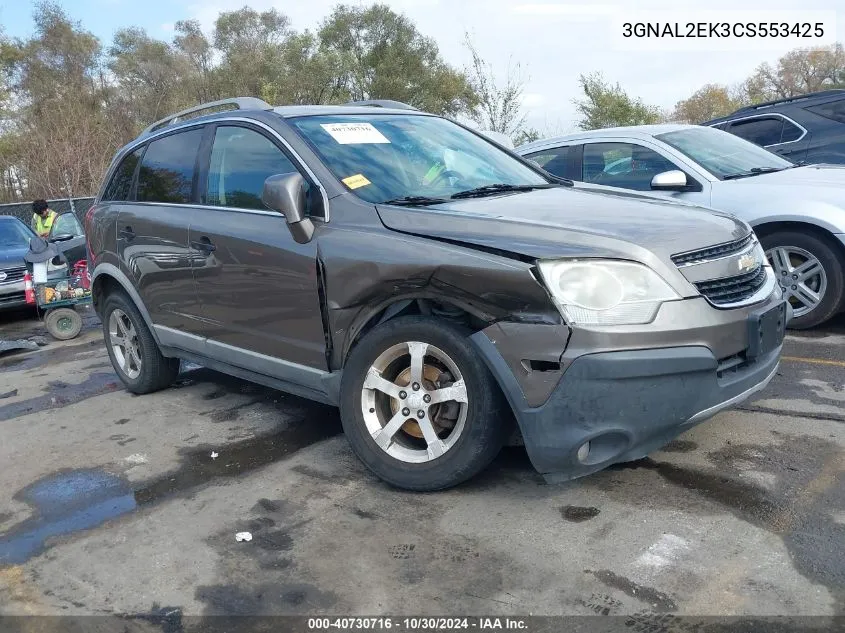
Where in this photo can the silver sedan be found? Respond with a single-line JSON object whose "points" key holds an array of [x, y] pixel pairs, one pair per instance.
{"points": [[797, 211]]}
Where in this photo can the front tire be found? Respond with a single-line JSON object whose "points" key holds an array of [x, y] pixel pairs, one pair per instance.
{"points": [[418, 405], [132, 349], [809, 269]]}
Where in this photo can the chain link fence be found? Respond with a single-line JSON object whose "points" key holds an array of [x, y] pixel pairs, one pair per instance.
{"points": [[23, 210]]}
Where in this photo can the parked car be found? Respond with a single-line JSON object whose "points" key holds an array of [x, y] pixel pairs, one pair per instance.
{"points": [[66, 233], [430, 283], [797, 212], [806, 128], [14, 243]]}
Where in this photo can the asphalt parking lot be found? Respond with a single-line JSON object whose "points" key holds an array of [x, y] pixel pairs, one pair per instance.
{"points": [[112, 503]]}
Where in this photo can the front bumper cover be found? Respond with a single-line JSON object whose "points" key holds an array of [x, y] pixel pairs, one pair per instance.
{"points": [[625, 403]]}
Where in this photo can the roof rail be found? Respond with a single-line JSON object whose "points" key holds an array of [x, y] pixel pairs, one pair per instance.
{"points": [[240, 103], [382, 103], [810, 95]]}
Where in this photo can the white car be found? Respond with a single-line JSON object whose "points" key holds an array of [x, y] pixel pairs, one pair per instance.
{"points": [[798, 212]]}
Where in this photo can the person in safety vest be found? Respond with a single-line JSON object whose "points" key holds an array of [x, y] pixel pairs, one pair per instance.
{"points": [[42, 218]]}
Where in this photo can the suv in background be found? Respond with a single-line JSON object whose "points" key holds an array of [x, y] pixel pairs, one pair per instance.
{"points": [[807, 129], [430, 283]]}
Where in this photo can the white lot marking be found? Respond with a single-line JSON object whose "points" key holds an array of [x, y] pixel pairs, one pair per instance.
{"points": [[136, 458], [824, 389], [664, 552]]}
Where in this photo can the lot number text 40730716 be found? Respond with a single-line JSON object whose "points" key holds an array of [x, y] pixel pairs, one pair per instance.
{"points": [[417, 624]]}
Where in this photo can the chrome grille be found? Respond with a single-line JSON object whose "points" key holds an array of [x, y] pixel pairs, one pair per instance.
{"points": [[12, 274], [734, 289], [712, 252]]}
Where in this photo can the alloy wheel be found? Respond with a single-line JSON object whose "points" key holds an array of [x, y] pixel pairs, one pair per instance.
{"points": [[414, 402], [801, 277], [124, 343]]}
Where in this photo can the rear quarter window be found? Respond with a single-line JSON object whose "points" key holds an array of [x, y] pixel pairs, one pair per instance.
{"points": [[834, 110], [121, 181]]}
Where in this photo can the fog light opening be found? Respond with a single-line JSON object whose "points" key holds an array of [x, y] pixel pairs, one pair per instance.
{"points": [[584, 452]]}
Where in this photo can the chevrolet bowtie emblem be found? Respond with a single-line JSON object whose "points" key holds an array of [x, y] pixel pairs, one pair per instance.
{"points": [[747, 263]]}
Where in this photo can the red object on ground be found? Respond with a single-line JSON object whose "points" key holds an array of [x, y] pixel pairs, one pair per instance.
{"points": [[28, 290], [79, 278]]}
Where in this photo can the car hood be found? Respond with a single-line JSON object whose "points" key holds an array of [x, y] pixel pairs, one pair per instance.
{"points": [[12, 257], [571, 222], [817, 182]]}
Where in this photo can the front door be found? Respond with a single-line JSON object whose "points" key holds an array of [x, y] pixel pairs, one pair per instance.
{"points": [[152, 230], [256, 285]]}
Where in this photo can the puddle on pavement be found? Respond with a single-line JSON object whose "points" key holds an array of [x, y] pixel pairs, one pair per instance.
{"points": [[61, 394], [64, 503], [71, 501], [51, 355]]}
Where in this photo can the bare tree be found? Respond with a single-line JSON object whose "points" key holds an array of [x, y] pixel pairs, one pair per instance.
{"points": [[499, 106]]}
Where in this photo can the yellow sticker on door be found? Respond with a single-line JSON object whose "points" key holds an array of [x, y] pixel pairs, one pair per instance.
{"points": [[358, 180]]}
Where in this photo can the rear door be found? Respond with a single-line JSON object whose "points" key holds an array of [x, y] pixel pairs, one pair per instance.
{"points": [[152, 229], [257, 286]]}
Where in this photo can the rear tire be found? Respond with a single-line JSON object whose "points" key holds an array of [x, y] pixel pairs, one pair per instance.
{"points": [[787, 251], [132, 349], [446, 437]]}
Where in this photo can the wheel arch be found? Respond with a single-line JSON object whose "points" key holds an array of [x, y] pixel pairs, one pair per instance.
{"points": [[108, 278], [447, 308], [774, 226]]}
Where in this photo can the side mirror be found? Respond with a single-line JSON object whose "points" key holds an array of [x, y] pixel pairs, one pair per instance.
{"points": [[285, 193], [673, 180]]}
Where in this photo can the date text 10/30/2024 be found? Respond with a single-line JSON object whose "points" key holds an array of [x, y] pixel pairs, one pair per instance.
{"points": [[417, 624]]}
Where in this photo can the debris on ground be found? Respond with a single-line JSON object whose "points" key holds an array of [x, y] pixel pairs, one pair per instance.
{"points": [[136, 458], [9, 394], [243, 536], [17, 345], [214, 455], [41, 341]]}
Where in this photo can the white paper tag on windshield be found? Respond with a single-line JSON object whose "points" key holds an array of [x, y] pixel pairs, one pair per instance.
{"points": [[354, 133]]}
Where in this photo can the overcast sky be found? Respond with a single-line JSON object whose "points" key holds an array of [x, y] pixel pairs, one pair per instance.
{"points": [[552, 45]]}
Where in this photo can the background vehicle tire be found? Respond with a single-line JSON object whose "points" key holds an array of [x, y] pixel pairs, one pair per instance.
{"points": [[63, 323], [132, 349], [810, 269], [446, 418]]}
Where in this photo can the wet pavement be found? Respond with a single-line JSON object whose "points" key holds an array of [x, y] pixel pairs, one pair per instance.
{"points": [[117, 504]]}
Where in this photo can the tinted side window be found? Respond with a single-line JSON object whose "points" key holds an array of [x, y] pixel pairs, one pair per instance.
{"points": [[764, 131], [241, 160], [623, 165], [552, 160], [791, 132], [121, 182], [167, 169], [835, 110]]}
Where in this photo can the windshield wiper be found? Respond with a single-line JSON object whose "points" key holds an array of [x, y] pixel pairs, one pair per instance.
{"points": [[500, 187], [754, 171], [414, 201]]}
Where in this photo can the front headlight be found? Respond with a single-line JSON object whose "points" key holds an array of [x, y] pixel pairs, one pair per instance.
{"points": [[604, 291]]}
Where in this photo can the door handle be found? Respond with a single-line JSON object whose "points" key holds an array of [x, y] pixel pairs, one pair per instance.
{"points": [[204, 244], [127, 233]]}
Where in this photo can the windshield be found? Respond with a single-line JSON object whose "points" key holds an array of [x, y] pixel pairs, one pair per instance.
{"points": [[723, 154], [13, 234], [386, 157]]}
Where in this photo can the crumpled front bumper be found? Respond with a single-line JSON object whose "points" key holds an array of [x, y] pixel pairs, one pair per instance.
{"points": [[616, 406]]}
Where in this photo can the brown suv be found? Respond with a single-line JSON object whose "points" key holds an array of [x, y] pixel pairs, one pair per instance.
{"points": [[430, 283]]}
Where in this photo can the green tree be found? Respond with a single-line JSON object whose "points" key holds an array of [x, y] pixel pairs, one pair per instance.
{"points": [[384, 56], [192, 43], [251, 46], [150, 74], [799, 71], [708, 102], [607, 105]]}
